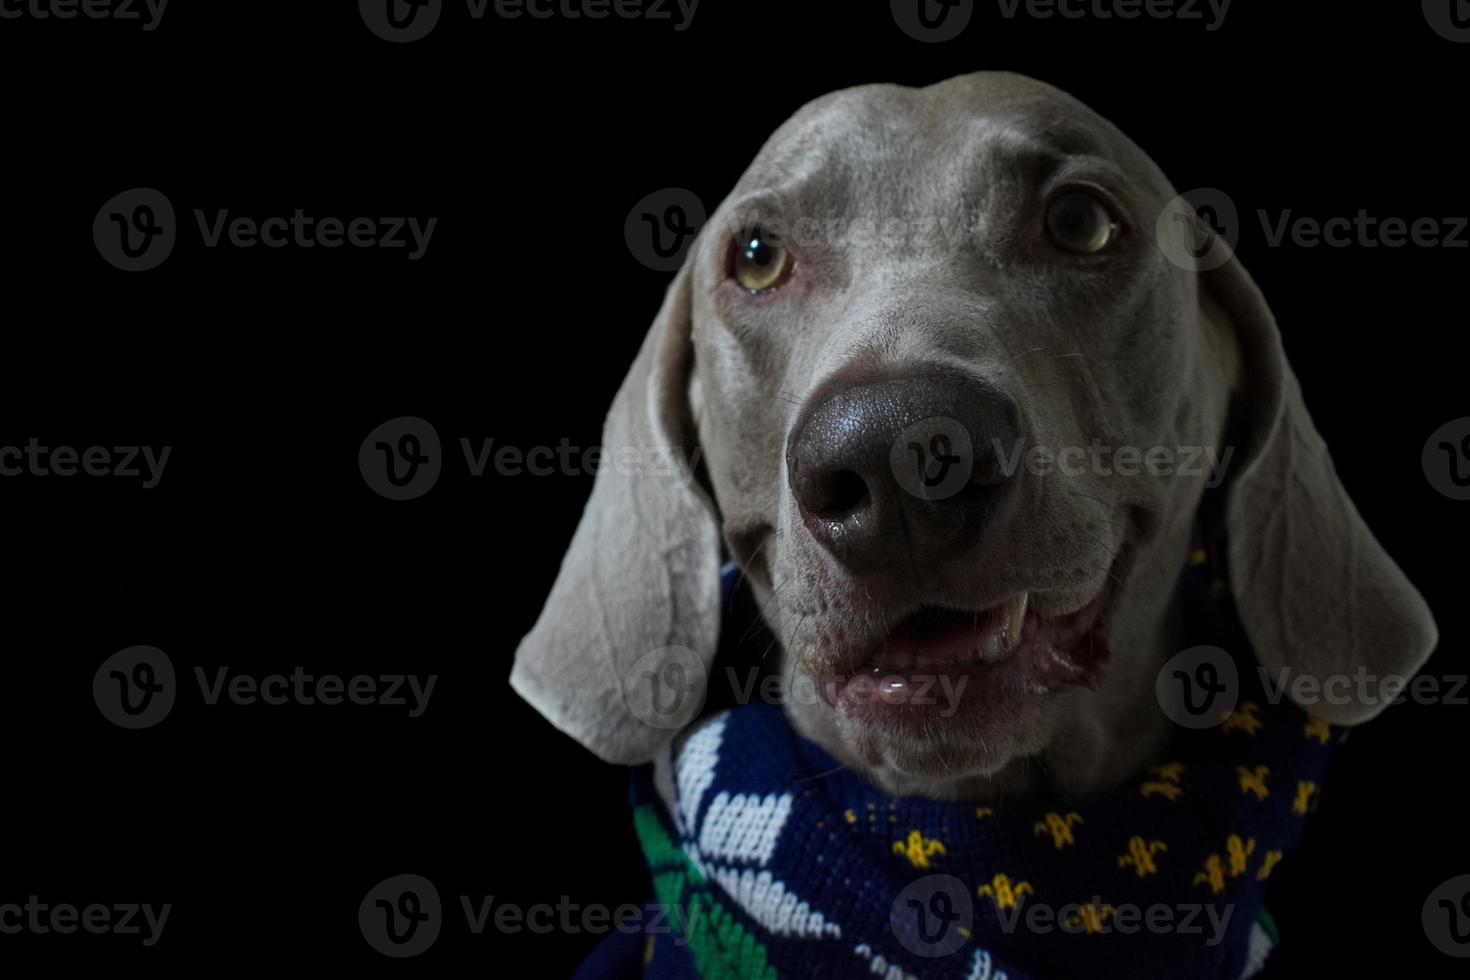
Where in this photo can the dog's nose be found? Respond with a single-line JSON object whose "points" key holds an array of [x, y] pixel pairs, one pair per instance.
{"points": [[902, 469]]}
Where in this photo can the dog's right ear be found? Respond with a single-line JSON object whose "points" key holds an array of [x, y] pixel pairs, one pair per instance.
{"points": [[619, 656]]}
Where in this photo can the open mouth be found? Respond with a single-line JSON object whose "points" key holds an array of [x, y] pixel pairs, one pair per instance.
{"points": [[939, 661]]}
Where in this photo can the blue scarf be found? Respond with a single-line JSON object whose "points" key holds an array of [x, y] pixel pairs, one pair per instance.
{"points": [[770, 860]]}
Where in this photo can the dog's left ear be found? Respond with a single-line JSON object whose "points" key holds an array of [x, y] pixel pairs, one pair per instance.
{"points": [[1315, 591], [621, 652]]}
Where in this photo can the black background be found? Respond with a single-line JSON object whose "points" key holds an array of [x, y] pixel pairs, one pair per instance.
{"points": [[262, 548]]}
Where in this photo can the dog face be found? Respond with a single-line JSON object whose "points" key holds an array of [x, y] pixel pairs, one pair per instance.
{"points": [[961, 369]]}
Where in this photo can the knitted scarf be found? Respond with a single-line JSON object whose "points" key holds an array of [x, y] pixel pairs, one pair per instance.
{"points": [[770, 860]]}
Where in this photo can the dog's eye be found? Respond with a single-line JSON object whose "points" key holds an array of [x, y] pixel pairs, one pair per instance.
{"points": [[760, 264], [1079, 222]]}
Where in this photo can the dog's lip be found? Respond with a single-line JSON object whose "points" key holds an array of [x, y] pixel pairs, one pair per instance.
{"points": [[1062, 642], [946, 639], [935, 637]]}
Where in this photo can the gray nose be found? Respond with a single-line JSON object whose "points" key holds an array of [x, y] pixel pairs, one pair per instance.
{"points": [[900, 469]]}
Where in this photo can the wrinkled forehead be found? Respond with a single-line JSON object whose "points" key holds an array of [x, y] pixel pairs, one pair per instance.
{"points": [[900, 151]]}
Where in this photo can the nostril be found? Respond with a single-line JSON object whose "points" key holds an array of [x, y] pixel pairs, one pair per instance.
{"points": [[842, 493]]}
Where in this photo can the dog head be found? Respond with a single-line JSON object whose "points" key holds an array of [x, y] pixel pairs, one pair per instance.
{"points": [[961, 368]]}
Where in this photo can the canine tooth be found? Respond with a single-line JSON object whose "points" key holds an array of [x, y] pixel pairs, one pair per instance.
{"points": [[1015, 610]]}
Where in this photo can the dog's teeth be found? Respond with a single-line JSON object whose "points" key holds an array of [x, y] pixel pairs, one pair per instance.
{"points": [[1015, 613], [1012, 615]]}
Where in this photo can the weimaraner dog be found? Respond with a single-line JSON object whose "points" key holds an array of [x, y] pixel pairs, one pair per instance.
{"points": [[962, 272]]}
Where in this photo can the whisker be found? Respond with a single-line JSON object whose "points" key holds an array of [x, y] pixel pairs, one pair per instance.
{"points": [[753, 555], [1033, 350], [760, 619]]}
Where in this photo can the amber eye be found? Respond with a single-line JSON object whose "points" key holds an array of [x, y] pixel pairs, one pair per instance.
{"points": [[1079, 222], [760, 264]]}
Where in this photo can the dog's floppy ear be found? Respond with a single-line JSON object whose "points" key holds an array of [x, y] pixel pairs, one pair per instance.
{"points": [[1316, 592], [619, 656]]}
